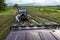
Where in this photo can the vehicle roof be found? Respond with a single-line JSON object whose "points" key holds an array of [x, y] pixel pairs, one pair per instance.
{"points": [[21, 8]]}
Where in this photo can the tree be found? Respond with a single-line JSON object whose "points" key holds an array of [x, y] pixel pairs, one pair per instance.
{"points": [[16, 6], [58, 5], [2, 5]]}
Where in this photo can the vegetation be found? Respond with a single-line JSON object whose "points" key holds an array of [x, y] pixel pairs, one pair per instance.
{"points": [[51, 13], [2, 5], [7, 17], [15, 6]]}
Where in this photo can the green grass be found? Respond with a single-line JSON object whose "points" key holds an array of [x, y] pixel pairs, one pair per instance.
{"points": [[7, 17], [52, 13]]}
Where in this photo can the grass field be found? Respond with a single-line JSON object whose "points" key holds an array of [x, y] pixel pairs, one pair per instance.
{"points": [[50, 13], [6, 19]]}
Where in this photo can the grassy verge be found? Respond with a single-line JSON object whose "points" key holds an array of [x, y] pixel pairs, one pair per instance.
{"points": [[6, 19]]}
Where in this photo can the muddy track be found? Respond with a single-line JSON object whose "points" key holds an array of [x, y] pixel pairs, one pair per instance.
{"points": [[34, 17], [38, 18]]}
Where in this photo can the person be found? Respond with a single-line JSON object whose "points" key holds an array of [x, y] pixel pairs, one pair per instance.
{"points": [[17, 17]]}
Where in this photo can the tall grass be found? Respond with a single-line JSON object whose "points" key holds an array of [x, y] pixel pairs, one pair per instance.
{"points": [[51, 13], [7, 17]]}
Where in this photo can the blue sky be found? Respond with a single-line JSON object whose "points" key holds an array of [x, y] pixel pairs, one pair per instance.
{"points": [[33, 2]]}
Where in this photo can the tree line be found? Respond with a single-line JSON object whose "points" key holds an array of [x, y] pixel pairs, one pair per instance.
{"points": [[3, 5]]}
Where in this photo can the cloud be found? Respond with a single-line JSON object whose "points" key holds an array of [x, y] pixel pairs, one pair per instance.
{"points": [[34, 2]]}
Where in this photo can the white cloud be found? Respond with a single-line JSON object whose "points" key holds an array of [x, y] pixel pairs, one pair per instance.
{"points": [[37, 2]]}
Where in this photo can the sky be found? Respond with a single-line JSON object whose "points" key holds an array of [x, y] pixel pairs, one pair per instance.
{"points": [[33, 2]]}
